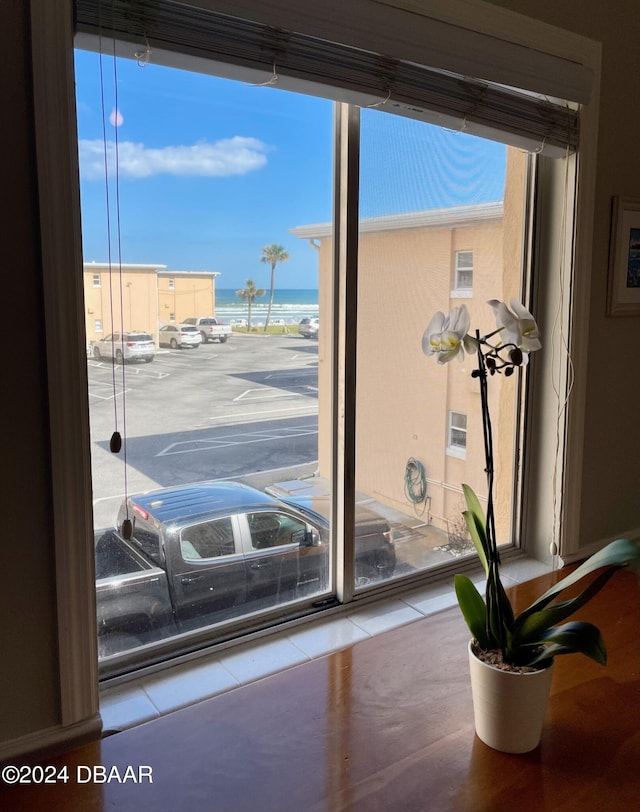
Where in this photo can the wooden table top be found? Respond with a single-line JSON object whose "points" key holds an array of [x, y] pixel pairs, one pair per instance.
{"points": [[383, 726]]}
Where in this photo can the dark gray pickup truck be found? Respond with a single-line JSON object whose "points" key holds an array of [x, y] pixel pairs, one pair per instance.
{"points": [[200, 554]]}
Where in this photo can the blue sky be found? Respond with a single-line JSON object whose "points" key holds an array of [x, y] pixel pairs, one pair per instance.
{"points": [[211, 170]]}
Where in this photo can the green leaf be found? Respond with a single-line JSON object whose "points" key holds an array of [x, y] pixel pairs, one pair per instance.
{"points": [[473, 609], [477, 526], [572, 638], [478, 537], [530, 627], [617, 554]]}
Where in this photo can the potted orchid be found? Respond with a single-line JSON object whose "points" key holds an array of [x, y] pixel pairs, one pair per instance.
{"points": [[510, 653]]}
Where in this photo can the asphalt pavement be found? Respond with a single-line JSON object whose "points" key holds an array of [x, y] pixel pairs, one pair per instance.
{"points": [[244, 408]]}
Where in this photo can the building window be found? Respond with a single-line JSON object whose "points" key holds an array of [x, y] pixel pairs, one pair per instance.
{"points": [[172, 316], [464, 271], [96, 280], [457, 435], [98, 326], [172, 284]]}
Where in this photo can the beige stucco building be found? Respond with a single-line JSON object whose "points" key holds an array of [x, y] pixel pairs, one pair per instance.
{"points": [[143, 297], [407, 407]]}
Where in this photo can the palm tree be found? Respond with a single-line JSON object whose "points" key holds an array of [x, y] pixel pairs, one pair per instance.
{"points": [[248, 295], [272, 254]]}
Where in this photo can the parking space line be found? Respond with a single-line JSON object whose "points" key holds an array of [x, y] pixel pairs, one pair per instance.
{"points": [[300, 374], [230, 440], [274, 393], [110, 396], [143, 371], [311, 408], [302, 356]]}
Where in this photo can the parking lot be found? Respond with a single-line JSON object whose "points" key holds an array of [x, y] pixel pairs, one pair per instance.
{"points": [[219, 411], [247, 410]]}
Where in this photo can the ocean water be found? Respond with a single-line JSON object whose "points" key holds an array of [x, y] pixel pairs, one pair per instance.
{"points": [[290, 304]]}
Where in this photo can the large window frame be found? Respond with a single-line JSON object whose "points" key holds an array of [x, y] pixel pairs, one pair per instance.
{"points": [[563, 243]]}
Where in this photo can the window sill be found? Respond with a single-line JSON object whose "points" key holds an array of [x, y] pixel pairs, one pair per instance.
{"points": [[149, 697]]}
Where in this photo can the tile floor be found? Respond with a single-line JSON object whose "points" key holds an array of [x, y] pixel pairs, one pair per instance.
{"points": [[147, 697]]}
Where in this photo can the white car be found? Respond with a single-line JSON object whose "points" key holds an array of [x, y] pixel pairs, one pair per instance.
{"points": [[132, 346], [179, 335], [308, 327]]}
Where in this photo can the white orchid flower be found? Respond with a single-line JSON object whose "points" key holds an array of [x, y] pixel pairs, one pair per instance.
{"points": [[446, 336], [517, 325]]}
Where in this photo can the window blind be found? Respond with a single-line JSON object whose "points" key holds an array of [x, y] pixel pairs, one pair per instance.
{"points": [[297, 61]]}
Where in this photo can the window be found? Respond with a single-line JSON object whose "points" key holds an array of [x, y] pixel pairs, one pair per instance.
{"points": [[98, 326], [274, 530], [464, 271], [96, 280], [260, 408], [404, 227], [350, 347], [208, 540], [457, 440]]}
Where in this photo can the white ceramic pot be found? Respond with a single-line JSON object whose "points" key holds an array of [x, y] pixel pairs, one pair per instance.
{"points": [[508, 707]]}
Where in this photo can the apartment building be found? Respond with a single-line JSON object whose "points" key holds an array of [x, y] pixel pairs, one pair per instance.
{"points": [[143, 297]]}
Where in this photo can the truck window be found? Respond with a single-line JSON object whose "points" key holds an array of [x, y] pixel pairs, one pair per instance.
{"points": [[207, 540], [274, 530]]}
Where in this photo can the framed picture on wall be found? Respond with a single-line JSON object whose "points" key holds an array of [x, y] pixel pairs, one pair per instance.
{"points": [[623, 298]]}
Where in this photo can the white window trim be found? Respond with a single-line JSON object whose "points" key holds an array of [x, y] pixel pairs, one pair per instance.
{"points": [[451, 449], [57, 163], [464, 289]]}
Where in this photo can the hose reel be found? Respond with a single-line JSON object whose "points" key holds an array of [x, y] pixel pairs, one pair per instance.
{"points": [[415, 484]]}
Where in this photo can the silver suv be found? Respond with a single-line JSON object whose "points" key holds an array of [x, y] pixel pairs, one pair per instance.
{"points": [[132, 346], [308, 327]]}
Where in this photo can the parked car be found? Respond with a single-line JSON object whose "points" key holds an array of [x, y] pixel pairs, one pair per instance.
{"points": [[131, 346], [210, 328], [308, 327], [179, 335], [201, 553]]}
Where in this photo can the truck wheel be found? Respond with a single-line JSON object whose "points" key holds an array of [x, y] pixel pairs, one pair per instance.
{"points": [[115, 643], [222, 339], [204, 338], [119, 358]]}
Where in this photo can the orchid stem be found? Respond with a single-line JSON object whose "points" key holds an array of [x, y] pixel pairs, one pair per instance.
{"points": [[493, 597]]}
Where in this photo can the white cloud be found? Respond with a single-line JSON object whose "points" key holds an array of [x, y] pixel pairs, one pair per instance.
{"points": [[230, 156]]}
